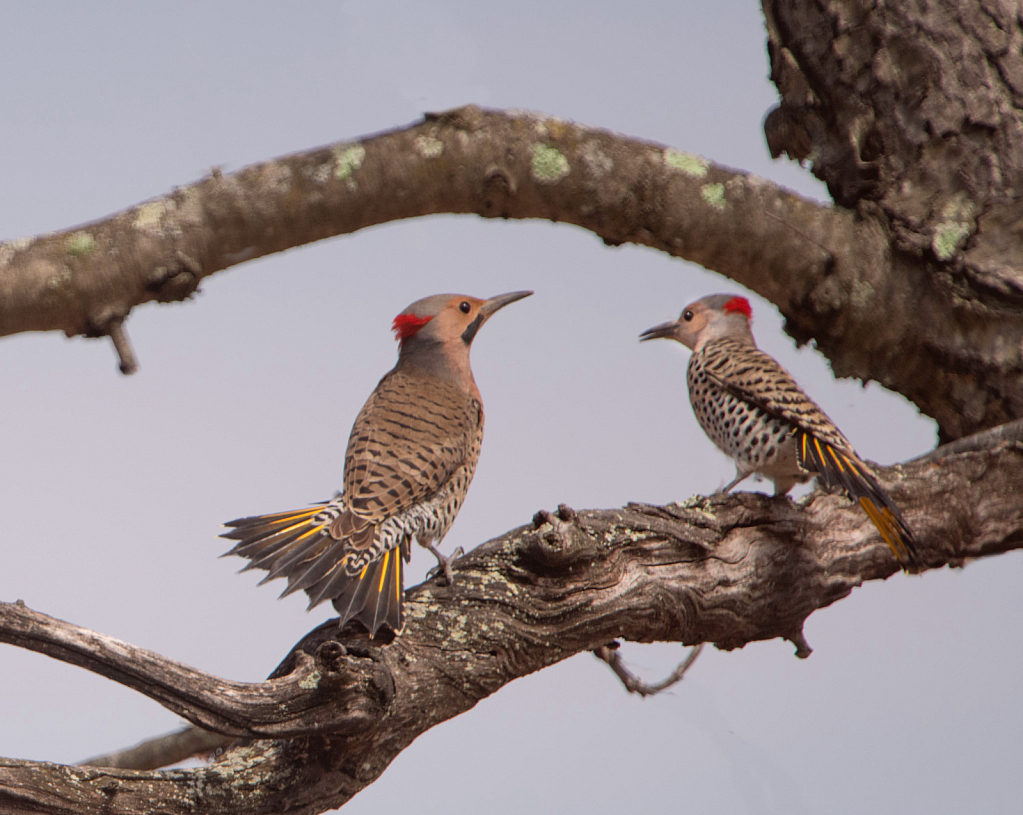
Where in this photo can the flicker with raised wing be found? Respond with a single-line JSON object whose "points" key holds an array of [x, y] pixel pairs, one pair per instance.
{"points": [[411, 455], [754, 411]]}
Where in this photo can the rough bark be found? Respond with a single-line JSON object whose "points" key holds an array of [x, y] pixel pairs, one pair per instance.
{"points": [[912, 113], [727, 570], [286, 707]]}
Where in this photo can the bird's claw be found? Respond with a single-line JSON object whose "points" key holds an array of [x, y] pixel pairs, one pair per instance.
{"points": [[444, 564]]}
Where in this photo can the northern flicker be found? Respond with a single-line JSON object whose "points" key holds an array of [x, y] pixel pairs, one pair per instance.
{"points": [[411, 455], [754, 411]]}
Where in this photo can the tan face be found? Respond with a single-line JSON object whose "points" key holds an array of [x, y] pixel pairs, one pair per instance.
{"points": [[692, 321], [685, 329], [458, 316]]}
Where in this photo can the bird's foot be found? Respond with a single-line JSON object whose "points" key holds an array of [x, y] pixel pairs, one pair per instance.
{"points": [[443, 564]]}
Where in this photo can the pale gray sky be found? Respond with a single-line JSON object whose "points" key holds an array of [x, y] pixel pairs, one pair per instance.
{"points": [[114, 488]]}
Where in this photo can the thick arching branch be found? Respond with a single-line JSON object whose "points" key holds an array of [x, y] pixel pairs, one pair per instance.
{"points": [[877, 313], [726, 570], [469, 160]]}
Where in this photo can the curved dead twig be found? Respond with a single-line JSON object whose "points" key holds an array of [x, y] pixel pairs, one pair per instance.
{"points": [[633, 684]]}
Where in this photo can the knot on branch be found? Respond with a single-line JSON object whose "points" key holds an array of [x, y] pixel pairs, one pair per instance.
{"points": [[329, 657], [498, 189], [344, 692], [558, 543], [177, 281], [375, 682], [341, 669]]}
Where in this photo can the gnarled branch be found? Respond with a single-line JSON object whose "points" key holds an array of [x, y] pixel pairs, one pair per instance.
{"points": [[327, 692], [726, 570]]}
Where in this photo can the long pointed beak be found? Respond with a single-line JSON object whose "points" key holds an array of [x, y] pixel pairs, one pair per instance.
{"points": [[666, 330], [499, 302]]}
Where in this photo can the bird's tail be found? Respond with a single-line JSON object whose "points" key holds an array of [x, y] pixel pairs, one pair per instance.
{"points": [[376, 595], [298, 545], [840, 468]]}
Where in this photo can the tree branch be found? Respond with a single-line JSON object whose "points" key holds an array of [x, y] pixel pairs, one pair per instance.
{"points": [[163, 750], [323, 692], [727, 570], [832, 274]]}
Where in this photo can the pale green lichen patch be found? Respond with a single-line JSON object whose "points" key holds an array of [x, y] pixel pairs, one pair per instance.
{"points": [[957, 216], [714, 195], [429, 147], [457, 630], [347, 160], [234, 762], [419, 610], [948, 237], [549, 165], [79, 244], [688, 163], [311, 682], [149, 215]]}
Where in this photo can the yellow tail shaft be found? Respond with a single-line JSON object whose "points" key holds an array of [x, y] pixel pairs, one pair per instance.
{"points": [[842, 468]]}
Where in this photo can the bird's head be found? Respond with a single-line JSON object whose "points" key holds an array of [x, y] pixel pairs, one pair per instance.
{"points": [[446, 321], [719, 315]]}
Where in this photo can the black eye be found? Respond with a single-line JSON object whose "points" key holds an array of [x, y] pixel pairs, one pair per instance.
{"points": [[464, 307], [687, 315]]}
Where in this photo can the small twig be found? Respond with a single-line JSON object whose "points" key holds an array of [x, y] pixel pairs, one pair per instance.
{"points": [[633, 684], [162, 751], [125, 353], [803, 649]]}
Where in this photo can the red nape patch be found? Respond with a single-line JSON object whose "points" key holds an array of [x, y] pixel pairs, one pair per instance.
{"points": [[740, 304], [405, 325]]}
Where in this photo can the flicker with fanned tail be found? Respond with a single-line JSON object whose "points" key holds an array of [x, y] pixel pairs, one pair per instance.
{"points": [[753, 410], [411, 455]]}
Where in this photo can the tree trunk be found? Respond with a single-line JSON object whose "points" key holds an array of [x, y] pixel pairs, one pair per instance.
{"points": [[911, 113]]}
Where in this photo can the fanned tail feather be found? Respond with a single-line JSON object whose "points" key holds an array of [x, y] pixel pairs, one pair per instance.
{"points": [[298, 545], [375, 596], [839, 468]]}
